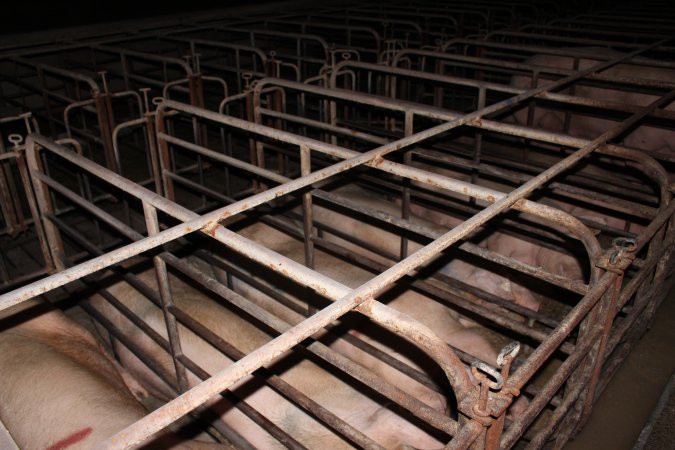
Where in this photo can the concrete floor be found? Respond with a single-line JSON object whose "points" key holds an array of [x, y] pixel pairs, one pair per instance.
{"points": [[629, 399]]}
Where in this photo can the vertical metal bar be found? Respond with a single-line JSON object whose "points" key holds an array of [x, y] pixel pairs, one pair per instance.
{"points": [[196, 88], [164, 157], [167, 302], [478, 137], [32, 206], [151, 138], [332, 117], [7, 203], [306, 169], [45, 100], [307, 222], [153, 152], [584, 379], [438, 91], [530, 113], [102, 109], [611, 311], [405, 192], [252, 116], [46, 206], [278, 124], [572, 89]]}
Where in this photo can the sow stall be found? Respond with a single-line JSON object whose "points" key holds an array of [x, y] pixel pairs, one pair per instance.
{"points": [[353, 174]]}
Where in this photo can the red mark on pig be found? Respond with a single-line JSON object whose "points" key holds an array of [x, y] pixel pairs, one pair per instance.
{"points": [[71, 440]]}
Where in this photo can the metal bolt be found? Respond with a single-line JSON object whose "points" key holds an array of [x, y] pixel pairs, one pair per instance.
{"points": [[15, 139], [145, 91], [246, 76]]}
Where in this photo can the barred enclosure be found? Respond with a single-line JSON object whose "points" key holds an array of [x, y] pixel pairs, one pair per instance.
{"points": [[369, 225]]}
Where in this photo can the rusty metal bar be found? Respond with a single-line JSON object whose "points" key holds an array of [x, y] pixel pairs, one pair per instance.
{"points": [[152, 224], [165, 415], [438, 180], [633, 208], [468, 434], [419, 409], [158, 200], [645, 266], [398, 169], [544, 396]]}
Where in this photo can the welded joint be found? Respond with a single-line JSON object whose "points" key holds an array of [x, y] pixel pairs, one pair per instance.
{"points": [[618, 257]]}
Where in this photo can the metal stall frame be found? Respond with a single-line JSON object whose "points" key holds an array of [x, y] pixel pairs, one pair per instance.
{"points": [[537, 72], [345, 299], [12, 208], [306, 65], [482, 90]]}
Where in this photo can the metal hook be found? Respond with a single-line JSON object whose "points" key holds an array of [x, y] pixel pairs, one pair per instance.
{"points": [[494, 373], [622, 245], [511, 349]]}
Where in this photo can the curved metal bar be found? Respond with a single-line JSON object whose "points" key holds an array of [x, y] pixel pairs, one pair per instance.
{"points": [[365, 293], [497, 87], [171, 84], [58, 71], [578, 229], [116, 131], [345, 298], [147, 56]]}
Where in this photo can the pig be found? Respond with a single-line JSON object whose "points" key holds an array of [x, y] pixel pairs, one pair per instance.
{"points": [[651, 139], [390, 244], [381, 423], [453, 328], [566, 263], [60, 389]]}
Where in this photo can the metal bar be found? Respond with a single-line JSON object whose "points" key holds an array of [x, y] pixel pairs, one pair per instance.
{"points": [[152, 224], [360, 296], [381, 386], [120, 181]]}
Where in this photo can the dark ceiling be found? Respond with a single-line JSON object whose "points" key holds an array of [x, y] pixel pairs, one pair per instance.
{"points": [[32, 16]]}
